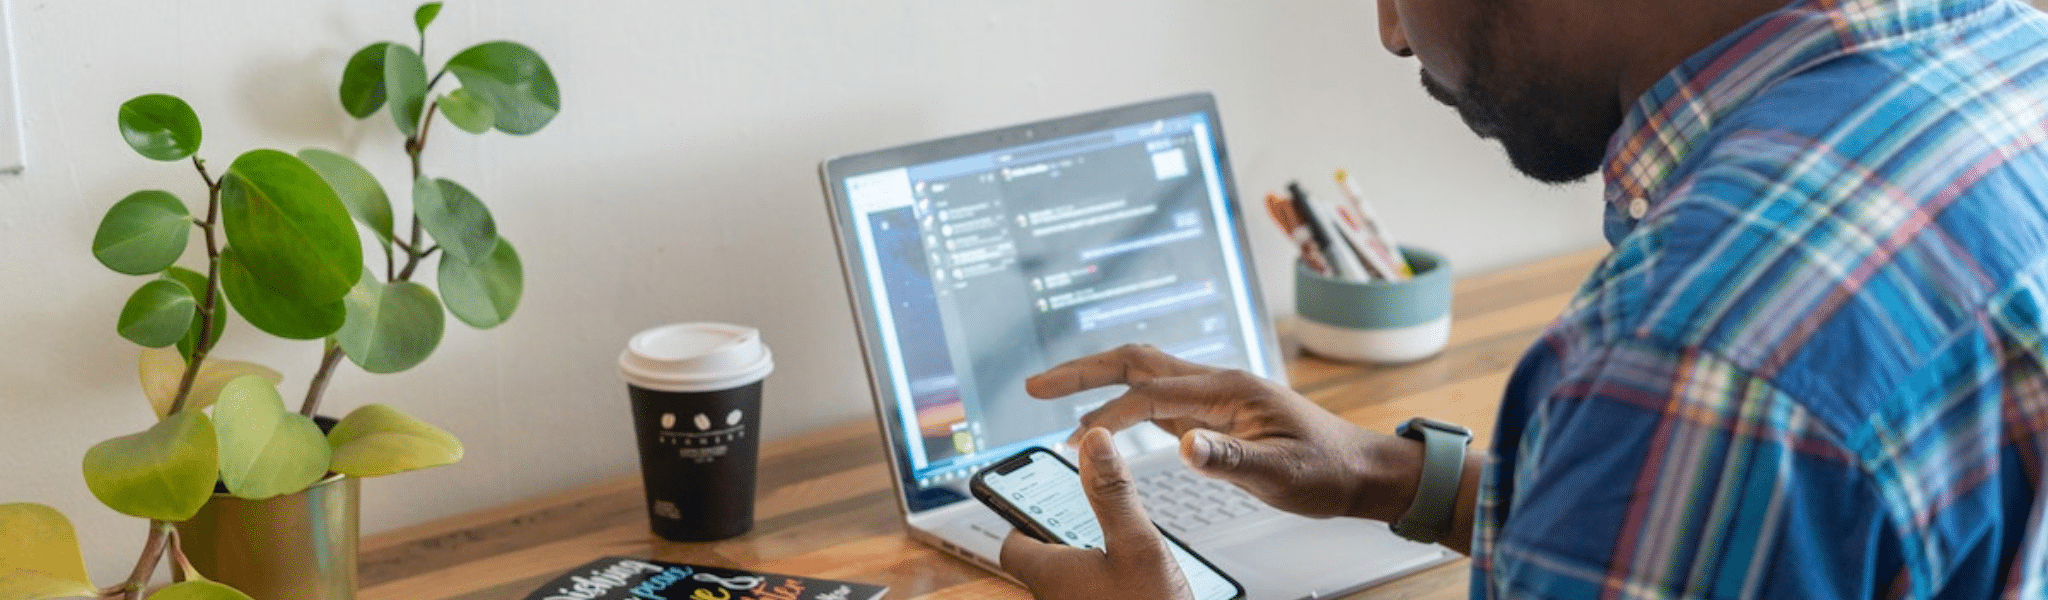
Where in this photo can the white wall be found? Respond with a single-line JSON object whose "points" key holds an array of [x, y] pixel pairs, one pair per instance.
{"points": [[679, 183]]}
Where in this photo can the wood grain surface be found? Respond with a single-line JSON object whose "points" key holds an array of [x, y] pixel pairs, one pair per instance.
{"points": [[825, 509]]}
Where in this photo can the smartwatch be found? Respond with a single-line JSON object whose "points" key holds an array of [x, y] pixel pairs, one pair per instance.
{"points": [[1443, 469]]}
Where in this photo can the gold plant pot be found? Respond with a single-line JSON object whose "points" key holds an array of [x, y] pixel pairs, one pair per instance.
{"points": [[295, 547]]}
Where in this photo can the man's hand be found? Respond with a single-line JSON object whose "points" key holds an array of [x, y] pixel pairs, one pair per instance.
{"points": [[1257, 434], [1134, 562]]}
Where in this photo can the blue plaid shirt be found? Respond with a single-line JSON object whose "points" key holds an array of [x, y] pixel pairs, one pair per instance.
{"points": [[1814, 364]]}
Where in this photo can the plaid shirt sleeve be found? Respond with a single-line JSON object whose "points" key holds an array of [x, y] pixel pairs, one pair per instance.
{"points": [[1815, 366], [1652, 472], [1648, 471]]}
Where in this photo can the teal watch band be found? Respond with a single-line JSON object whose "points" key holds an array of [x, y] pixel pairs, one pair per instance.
{"points": [[1443, 469]]}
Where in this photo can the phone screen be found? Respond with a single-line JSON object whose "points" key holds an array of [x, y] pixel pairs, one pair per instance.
{"points": [[1039, 485]]}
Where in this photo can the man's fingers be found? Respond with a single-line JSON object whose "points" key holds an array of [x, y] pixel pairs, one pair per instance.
{"points": [[1178, 402], [1126, 532], [1131, 363]]}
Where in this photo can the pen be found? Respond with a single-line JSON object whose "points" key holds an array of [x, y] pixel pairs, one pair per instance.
{"points": [[1341, 261], [1362, 244], [1376, 234], [1291, 225]]}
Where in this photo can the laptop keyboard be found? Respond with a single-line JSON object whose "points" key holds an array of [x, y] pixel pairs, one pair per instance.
{"points": [[1185, 503]]}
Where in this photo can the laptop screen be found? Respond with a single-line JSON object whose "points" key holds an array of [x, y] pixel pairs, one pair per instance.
{"points": [[976, 261]]}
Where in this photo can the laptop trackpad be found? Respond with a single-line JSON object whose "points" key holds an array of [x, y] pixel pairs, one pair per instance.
{"points": [[1297, 554]]}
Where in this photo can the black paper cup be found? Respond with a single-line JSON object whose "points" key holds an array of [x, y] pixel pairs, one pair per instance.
{"points": [[696, 396]]}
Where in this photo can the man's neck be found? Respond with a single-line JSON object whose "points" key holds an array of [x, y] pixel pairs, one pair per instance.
{"points": [[1663, 33]]}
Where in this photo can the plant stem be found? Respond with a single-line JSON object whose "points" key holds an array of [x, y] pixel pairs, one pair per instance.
{"points": [[420, 147], [208, 303], [180, 564], [318, 387], [391, 259], [414, 147], [152, 553], [406, 275]]}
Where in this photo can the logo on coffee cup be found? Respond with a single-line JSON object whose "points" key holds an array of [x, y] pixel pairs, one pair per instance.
{"points": [[733, 419], [703, 422], [668, 420]]}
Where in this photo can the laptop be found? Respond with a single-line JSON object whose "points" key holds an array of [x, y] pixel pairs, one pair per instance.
{"points": [[975, 261]]}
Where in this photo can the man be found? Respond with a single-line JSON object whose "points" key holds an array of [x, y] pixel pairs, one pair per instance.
{"points": [[1812, 367]]}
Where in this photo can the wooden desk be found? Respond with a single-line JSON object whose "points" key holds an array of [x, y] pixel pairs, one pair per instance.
{"points": [[825, 506]]}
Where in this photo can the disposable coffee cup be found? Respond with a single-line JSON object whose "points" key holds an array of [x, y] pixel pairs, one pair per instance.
{"points": [[696, 391]]}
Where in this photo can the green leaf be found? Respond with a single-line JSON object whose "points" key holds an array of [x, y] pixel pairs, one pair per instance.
{"points": [[198, 590], [392, 327], [405, 80], [265, 450], [143, 233], [161, 369], [379, 440], [196, 283], [160, 127], [459, 222], [362, 81], [358, 189], [425, 15], [165, 473], [34, 585], [292, 231], [468, 111], [483, 294], [271, 311], [158, 314], [39, 556], [514, 80]]}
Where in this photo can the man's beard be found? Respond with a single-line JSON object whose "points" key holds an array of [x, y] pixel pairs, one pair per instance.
{"points": [[1549, 134]]}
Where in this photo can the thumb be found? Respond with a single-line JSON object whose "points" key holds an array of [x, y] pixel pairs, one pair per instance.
{"points": [[1224, 457], [1126, 530]]}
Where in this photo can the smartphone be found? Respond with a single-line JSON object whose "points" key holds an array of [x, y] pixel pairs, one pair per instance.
{"points": [[1040, 493]]}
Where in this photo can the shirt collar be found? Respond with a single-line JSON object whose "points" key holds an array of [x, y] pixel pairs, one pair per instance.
{"points": [[1665, 125]]}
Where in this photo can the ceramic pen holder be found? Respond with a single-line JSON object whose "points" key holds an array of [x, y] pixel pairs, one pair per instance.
{"points": [[1376, 321]]}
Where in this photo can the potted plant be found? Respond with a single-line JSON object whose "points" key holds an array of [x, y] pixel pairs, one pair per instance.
{"points": [[283, 251]]}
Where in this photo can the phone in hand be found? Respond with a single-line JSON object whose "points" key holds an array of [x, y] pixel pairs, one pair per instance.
{"points": [[1040, 493]]}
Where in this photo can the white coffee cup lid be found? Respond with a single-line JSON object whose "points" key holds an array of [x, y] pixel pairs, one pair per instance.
{"points": [[695, 357]]}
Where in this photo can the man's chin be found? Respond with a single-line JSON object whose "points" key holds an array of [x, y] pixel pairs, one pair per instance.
{"points": [[1551, 166], [1485, 131]]}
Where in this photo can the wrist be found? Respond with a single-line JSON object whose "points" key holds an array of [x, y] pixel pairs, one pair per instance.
{"points": [[1389, 472]]}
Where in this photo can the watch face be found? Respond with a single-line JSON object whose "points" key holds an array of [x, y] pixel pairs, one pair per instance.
{"points": [[1412, 428]]}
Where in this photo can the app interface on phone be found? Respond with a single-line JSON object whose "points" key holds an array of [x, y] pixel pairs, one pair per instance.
{"points": [[1049, 492]]}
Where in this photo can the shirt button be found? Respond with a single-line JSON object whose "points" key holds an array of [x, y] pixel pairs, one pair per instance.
{"points": [[1637, 207]]}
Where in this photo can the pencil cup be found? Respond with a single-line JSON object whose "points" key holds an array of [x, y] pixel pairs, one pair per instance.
{"points": [[1376, 321]]}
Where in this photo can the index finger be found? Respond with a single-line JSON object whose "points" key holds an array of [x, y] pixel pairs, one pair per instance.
{"points": [[1127, 364], [1209, 400]]}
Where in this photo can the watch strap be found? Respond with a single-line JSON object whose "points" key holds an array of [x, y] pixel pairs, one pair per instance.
{"points": [[1443, 470]]}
